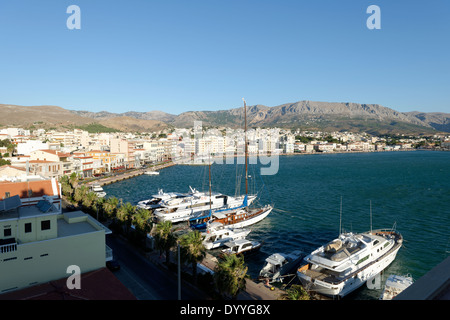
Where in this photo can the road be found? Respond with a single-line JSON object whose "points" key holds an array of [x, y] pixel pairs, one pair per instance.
{"points": [[146, 280]]}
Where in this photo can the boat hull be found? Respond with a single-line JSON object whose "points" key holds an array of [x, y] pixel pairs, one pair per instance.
{"points": [[352, 282]]}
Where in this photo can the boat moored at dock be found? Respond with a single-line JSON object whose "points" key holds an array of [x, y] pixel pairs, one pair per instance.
{"points": [[216, 235], [346, 263], [278, 265]]}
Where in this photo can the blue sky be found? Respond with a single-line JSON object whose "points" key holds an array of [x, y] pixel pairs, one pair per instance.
{"points": [[185, 55]]}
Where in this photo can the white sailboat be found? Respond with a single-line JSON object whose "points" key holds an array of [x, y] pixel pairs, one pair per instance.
{"points": [[237, 217]]}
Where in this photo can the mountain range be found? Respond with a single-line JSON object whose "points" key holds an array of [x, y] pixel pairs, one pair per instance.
{"points": [[305, 115]]}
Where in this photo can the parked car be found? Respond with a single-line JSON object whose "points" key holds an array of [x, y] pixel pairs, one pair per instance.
{"points": [[113, 265]]}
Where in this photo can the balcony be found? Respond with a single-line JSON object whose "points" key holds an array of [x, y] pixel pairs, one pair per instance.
{"points": [[109, 253], [8, 245]]}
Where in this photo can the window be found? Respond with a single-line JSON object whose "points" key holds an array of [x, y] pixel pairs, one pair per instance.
{"points": [[45, 225], [28, 227], [7, 232]]}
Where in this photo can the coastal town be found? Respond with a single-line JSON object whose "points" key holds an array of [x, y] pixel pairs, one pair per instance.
{"points": [[53, 154], [42, 183]]}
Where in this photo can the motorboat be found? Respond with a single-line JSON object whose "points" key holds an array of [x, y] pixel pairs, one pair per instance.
{"points": [[98, 190], [278, 265], [395, 284], [182, 209], [152, 173], [346, 263], [241, 246], [156, 200], [216, 235]]}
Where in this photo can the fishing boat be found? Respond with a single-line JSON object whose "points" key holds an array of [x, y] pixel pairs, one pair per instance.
{"points": [[241, 246], [238, 216], [346, 263], [278, 265], [98, 190], [395, 284], [216, 235]]}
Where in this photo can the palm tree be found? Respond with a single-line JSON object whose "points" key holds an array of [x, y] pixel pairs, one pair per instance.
{"points": [[165, 239], [110, 207], [73, 179], [230, 274], [141, 220], [66, 187], [125, 213], [192, 250], [89, 199], [80, 193]]}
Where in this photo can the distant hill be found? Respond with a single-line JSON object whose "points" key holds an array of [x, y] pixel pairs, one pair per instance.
{"points": [[48, 117], [438, 120], [305, 115]]}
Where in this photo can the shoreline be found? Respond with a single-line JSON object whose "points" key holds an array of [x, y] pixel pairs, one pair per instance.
{"points": [[137, 172]]}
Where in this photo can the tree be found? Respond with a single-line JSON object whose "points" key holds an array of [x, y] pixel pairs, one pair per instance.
{"points": [[141, 220], [230, 274], [66, 187], [296, 292], [110, 207], [124, 214], [165, 239], [192, 250], [80, 193], [74, 180], [90, 199]]}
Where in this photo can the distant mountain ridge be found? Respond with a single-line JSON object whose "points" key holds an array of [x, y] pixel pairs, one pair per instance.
{"points": [[305, 115], [326, 116]]}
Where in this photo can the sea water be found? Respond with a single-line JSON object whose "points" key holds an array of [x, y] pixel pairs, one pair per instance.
{"points": [[406, 190]]}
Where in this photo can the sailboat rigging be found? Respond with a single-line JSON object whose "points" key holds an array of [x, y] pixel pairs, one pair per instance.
{"points": [[240, 216]]}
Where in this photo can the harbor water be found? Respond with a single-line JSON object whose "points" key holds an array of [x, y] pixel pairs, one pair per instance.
{"points": [[406, 190]]}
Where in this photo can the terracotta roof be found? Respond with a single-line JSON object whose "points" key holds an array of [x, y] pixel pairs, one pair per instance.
{"points": [[39, 188], [100, 284]]}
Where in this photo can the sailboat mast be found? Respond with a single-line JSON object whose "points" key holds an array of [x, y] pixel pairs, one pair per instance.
{"points": [[246, 150], [210, 182]]}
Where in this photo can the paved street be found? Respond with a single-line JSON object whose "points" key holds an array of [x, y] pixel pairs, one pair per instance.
{"points": [[144, 279]]}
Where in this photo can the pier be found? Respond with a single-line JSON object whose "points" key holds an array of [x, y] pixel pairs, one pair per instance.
{"points": [[127, 174]]}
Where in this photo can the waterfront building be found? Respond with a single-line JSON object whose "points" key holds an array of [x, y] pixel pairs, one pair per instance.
{"points": [[39, 242]]}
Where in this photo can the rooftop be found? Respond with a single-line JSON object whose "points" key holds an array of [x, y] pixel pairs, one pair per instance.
{"points": [[100, 284]]}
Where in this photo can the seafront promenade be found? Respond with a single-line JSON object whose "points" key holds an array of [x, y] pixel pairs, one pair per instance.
{"points": [[253, 291], [127, 174]]}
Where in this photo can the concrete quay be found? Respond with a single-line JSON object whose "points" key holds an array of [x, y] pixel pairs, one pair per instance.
{"points": [[127, 174]]}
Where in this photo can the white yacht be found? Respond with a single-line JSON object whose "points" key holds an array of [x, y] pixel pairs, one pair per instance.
{"points": [[152, 173], [157, 199], [98, 190], [278, 265], [243, 246], [216, 235], [346, 263], [394, 285], [182, 209]]}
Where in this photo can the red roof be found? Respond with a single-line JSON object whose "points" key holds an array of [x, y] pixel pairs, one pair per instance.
{"points": [[100, 284], [39, 188]]}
